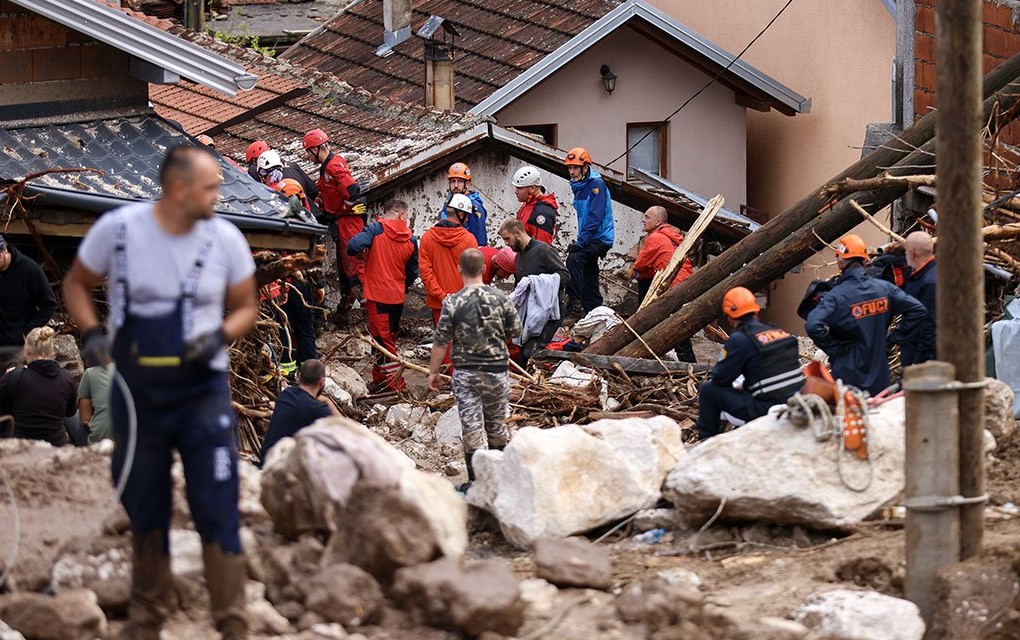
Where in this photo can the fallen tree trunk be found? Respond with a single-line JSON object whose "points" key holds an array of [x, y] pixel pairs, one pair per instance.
{"points": [[782, 226]]}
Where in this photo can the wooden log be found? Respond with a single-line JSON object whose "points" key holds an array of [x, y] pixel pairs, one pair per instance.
{"points": [[916, 143], [850, 185]]}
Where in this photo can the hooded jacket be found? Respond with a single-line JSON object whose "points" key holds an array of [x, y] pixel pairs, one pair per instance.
{"points": [[46, 395], [659, 247], [594, 210], [438, 256], [392, 261], [26, 299], [538, 215], [337, 187], [475, 224], [850, 325]]}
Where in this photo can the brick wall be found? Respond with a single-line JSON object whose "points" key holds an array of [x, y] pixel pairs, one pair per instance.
{"points": [[41, 59]]}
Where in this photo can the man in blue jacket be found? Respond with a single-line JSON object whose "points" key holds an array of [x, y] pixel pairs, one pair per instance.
{"points": [[851, 322], [594, 227], [459, 178], [921, 285]]}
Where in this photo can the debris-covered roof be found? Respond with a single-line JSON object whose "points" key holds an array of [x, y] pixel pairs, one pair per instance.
{"points": [[498, 41], [127, 153]]}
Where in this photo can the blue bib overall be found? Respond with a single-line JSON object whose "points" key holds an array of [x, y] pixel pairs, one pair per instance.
{"points": [[180, 405]]}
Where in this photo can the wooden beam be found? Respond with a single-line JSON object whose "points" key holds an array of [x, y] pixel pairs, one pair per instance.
{"points": [[636, 366]]}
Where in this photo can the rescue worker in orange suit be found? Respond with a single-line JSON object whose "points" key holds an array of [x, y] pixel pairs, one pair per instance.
{"points": [[538, 208], [920, 285], [391, 266], [851, 322], [659, 246], [439, 252], [340, 199], [251, 156], [763, 353], [499, 263], [459, 179]]}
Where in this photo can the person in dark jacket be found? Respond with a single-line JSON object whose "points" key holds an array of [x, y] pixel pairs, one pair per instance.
{"points": [[595, 231], [538, 208], [851, 322], [272, 172], [763, 353], [299, 406], [45, 393], [26, 301], [921, 286]]}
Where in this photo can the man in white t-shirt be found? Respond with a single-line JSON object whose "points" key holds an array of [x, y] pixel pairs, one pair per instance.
{"points": [[173, 267]]}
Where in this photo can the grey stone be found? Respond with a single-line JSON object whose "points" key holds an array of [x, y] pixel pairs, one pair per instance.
{"points": [[348, 379], [448, 429], [999, 406], [344, 593], [573, 562], [69, 615], [861, 615]]}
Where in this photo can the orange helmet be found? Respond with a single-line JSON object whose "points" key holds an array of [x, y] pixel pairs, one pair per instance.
{"points": [[738, 302], [851, 246], [314, 138], [255, 149], [578, 157], [290, 187], [459, 170], [206, 140]]}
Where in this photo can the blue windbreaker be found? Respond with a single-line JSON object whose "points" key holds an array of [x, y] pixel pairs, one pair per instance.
{"points": [[475, 223], [594, 209]]}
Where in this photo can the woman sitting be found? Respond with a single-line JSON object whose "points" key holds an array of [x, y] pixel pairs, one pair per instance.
{"points": [[40, 395]]}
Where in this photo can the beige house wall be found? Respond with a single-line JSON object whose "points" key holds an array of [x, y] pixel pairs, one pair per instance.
{"points": [[707, 141], [837, 52]]}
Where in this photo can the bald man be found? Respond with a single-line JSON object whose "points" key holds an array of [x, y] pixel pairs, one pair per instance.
{"points": [[920, 250]]}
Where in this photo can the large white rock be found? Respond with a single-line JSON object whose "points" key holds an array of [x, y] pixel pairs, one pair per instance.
{"points": [[186, 553], [861, 615], [772, 471], [571, 479], [448, 429], [999, 403], [348, 379]]}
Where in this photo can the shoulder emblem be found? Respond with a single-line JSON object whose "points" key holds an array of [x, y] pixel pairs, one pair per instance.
{"points": [[595, 191], [540, 219]]}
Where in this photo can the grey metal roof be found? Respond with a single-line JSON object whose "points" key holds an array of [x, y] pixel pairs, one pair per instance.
{"points": [[146, 42], [128, 151], [783, 96]]}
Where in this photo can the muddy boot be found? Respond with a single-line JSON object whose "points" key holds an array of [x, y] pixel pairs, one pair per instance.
{"points": [[463, 488], [225, 576], [151, 588]]}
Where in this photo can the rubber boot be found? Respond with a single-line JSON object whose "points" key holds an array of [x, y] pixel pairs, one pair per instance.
{"points": [[463, 488], [151, 588], [225, 576]]}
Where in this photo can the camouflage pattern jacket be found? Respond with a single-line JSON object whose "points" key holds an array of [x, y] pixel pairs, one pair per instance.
{"points": [[478, 320]]}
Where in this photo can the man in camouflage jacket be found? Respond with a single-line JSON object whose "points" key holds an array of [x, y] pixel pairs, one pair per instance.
{"points": [[478, 320]]}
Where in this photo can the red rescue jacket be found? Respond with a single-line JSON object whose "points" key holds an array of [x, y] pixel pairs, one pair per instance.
{"points": [[539, 217], [655, 255], [438, 255], [390, 247], [334, 182], [489, 253]]}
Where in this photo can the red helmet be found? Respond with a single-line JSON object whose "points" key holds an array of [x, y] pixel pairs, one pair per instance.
{"points": [[738, 302], [255, 149], [578, 157], [459, 170], [314, 138]]}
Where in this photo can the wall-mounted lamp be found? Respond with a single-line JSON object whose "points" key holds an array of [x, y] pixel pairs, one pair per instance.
{"points": [[608, 79]]}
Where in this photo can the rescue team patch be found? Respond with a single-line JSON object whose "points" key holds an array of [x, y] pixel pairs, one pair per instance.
{"points": [[870, 308], [771, 335], [540, 219], [595, 191]]}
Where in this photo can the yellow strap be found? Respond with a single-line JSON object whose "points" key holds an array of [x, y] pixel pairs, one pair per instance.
{"points": [[159, 361]]}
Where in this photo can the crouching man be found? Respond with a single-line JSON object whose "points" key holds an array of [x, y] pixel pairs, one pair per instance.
{"points": [[764, 354], [478, 321]]}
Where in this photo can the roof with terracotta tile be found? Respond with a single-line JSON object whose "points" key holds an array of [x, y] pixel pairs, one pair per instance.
{"points": [[498, 42]]}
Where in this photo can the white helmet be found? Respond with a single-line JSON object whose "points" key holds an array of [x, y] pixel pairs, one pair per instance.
{"points": [[268, 160], [460, 202], [527, 177]]}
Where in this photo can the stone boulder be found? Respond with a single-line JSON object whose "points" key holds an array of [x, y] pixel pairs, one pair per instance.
{"points": [[403, 419], [338, 477], [568, 480], [69, 615], [861, 615], [344, 593], [348, 379], [573, 562], [448, 428], [473, 598], [999, 399], [660, 604], [340, 396], [772, 471], [106, 572], [6, 633]]}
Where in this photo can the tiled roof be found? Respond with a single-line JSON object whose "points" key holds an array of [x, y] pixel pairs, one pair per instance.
{"points": [[128, 152], [498, 42]]}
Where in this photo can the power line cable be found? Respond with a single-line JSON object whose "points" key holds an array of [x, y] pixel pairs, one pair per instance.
{"points": [[708, 84]]}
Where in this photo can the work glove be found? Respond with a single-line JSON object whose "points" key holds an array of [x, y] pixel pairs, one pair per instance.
{"points": [[573, 247], [205, 347], [358, 208], [95, 349]]}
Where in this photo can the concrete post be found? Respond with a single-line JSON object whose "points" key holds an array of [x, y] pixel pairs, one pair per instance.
{"points": [[932, 462]]}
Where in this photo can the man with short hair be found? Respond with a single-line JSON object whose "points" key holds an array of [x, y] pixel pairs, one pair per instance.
{"points": [[459, 179], [536, 258], [299, 406], [764, 354], [181, 288], [851, 322], [439, 251], [475, 324], [920, 250], [94, 402], [26, 301], [595, 230], [391, 266], [538, 208]]}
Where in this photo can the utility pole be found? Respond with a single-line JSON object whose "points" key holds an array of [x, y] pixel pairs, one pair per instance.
{"points": [[960, 289], [194, 15]]}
